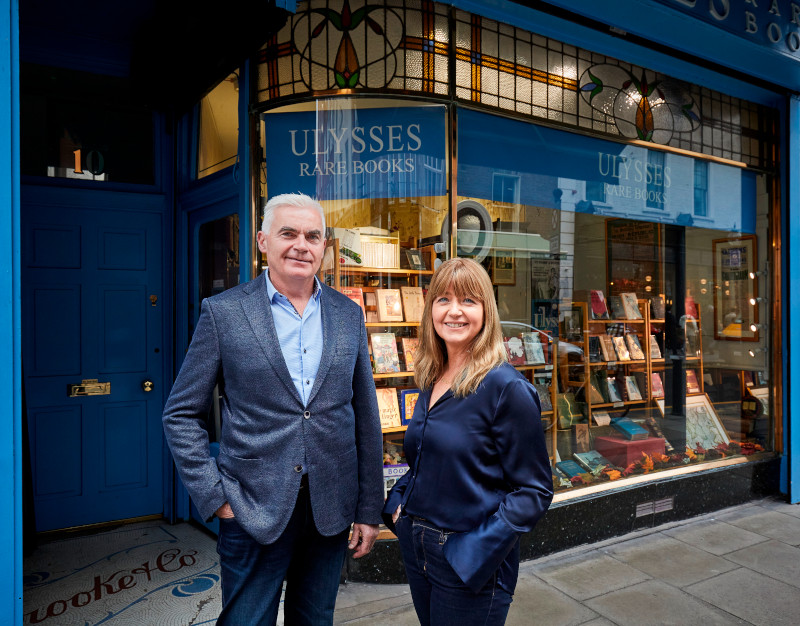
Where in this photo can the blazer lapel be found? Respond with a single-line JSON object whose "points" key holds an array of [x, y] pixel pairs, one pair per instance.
{"points": [[330, 322], [257, 309]]}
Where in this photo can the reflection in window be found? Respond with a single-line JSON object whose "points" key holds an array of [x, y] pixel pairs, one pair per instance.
{"points": [[701, 188], [217, 146], [505, 189], [655, 180]]}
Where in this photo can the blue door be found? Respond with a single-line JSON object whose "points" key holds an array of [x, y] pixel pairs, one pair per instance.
{"points": [[93, 362]]}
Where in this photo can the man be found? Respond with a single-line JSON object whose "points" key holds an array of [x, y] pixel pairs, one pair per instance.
{"points": [[300, 450]]}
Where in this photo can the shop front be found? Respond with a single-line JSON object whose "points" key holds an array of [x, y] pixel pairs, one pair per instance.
{"points": [[629, 219]]}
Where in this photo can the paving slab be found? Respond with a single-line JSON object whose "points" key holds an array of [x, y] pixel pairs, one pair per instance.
{"points": [[586, 576], [357, 600], [780, 526], [398, 616], [751, 596], [669, 560], [714, 536], [772, 558], [658, 604], [536, 602]]}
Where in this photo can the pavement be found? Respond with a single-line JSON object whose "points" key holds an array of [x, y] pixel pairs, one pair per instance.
{"points": [[735, 566]]}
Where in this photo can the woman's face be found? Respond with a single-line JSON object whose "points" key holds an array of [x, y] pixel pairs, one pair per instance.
{"points": [[457, 320]]}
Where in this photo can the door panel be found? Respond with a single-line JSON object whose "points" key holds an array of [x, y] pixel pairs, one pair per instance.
{"points": [[91, 289]]}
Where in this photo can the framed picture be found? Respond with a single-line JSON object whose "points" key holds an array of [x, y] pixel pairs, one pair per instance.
{"points": [[703, 426], [504, 268], [734, 261], [415, 260]]}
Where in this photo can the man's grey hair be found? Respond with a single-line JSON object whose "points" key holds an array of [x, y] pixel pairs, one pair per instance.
{"points": [[298, 200]]}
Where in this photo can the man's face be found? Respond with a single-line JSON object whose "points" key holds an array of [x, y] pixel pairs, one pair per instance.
{"points": [[294, 245]]}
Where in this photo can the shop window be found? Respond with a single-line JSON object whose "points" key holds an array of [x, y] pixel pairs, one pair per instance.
{"points": [[218, 128], [505, 189], [701, 189], [652, 354]]}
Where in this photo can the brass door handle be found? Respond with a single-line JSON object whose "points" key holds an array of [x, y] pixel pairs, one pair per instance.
{"points": [[147, 385]]}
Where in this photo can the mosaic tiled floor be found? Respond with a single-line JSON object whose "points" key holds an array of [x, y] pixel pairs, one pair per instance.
{"points": [[147, 573]]}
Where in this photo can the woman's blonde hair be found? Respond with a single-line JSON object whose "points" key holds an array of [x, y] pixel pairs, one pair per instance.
{"points": [[467, 279]]}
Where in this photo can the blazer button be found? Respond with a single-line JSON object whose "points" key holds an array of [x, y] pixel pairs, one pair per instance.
{"points": [[298, 468], [307, 414]]}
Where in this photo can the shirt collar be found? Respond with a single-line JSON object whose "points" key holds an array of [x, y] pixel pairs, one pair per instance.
{"points": [[272, 292]]}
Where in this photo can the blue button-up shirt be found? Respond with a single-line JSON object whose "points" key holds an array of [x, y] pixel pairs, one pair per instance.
{"points": [[300, 337]]}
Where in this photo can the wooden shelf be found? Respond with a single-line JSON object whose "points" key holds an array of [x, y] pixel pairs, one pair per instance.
{"points": [[396, 429], [353, 269], [382, 324], [393, 375]]}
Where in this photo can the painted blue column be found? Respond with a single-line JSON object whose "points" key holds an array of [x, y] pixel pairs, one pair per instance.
{"points": [[791, 312], [10, 400]]}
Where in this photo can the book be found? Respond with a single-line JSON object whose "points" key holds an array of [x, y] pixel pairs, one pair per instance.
{"points": [[595, 350], [692, 385], [391, 474], [514, 350], [655, 350], [534, 351], [630, 429], [582, 442], [607, 348], [410, 345], [356, 294], [412, 303], [601, 418], [631, 306], [657, 385], [592, 461], [570, 411], [634, 347], [390, 307], [570, 468], [632, 389], [653, 426], [388, 407], [614, 394], [621, 348], [408, 401], [384, 353], [544, 397], [370, 300], [657, 311], [599, 381], [616, 308], [597, 303]]}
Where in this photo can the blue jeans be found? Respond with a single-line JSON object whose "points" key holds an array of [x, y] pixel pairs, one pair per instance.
{"points": [[253, 573], [440, 597]]}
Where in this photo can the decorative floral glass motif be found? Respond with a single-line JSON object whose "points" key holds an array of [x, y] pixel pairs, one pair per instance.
{"points": [[647, 108]]}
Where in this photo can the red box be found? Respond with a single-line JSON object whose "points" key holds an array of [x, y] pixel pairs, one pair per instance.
{"points": [[622, 452]]}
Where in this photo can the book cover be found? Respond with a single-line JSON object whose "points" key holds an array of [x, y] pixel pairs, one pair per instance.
{"points": [[621, 349], [657, 385], [634, 347], [598, 305], [390, 307], [601, 418], [653, 426], [632, 389], [655, 350], [630, 429], [657, 311], [595, 350], [356, 294], [607, 347], [616, 308], [599, 380], [410, 345], [391, 474], [592, 460], [692, 386], [614, 394], [534, 351], [514, 350], [630, 306], [570, 468], [594, 392], [408, 400], [388, 407], [384, 353], [412, 303], [544, 397], [570, 411]]}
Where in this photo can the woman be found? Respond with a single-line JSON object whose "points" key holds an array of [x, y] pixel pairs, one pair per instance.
{"points": [[479, 472]]}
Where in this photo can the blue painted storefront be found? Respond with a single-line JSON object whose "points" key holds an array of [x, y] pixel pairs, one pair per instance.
{"points": [[736, 62]]}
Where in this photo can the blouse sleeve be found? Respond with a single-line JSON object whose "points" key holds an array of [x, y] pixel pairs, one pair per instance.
{"points": [[517, 431]]}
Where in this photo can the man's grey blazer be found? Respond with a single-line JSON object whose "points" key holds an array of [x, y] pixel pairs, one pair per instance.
{"points": [[268, 437]]}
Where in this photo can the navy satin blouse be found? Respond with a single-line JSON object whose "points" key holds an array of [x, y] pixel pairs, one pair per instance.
{"points": [[478, 466]]}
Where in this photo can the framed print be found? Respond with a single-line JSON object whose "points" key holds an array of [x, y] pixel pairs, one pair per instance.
{"points": [[734, 261], [703, 426], [503, 268], [415, 259]]}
